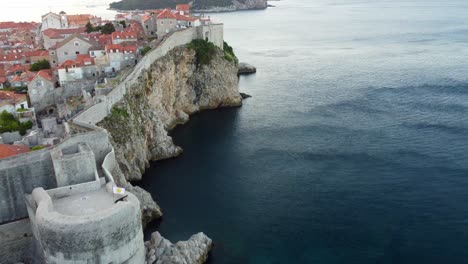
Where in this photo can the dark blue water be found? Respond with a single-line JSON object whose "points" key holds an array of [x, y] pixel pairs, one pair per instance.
{"points": [[353, 149]]}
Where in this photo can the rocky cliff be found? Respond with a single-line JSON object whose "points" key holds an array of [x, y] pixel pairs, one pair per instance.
{"points": [[193, 251], [175, 87], [228, 5]]}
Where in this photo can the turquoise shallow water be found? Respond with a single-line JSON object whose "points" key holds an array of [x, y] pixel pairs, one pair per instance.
{"points": [[353, 148]]}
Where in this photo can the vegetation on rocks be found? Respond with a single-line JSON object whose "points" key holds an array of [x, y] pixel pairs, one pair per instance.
{"points": [[205, 51], [145, 4], [203, 4], [229, 53], [145, 50], [8, 123]]}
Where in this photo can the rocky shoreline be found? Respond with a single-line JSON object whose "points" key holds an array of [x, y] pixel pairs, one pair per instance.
{"points": [[193, 251], [245, 69], [174, 88]]}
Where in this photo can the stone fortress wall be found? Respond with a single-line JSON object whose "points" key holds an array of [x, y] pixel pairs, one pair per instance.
{"points": [[97, 112], [35, 187]]}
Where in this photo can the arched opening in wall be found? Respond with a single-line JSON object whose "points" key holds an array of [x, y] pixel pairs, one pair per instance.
{"points": [[51, 111], [113, 69]]}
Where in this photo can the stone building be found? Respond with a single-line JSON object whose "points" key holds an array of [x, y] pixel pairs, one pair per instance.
{"points": [[148, 22], [69, 49], [41, 90], [53, 20], [120, 57], [83, 67], [166, 22]]}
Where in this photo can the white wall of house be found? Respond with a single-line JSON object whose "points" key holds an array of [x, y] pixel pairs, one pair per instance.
{"points": [[52, 20], [76, 74], [8, 107], [120, 40], [22, 105]]}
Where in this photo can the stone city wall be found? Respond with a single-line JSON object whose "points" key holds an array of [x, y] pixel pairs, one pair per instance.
{"points": [[21, 174], [117, 230], [100, 110]]}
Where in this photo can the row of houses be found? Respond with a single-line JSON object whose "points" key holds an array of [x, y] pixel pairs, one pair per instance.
{"points": [[82, 57]]}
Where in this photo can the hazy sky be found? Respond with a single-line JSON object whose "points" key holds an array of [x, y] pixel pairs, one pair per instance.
{"points": [[31, 10]]}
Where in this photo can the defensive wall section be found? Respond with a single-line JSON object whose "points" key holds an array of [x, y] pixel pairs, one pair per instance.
{"points": [[103, 106], [56, 204]]}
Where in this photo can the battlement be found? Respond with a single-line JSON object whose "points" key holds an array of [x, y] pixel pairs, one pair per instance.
{"points": [[68, 228]]}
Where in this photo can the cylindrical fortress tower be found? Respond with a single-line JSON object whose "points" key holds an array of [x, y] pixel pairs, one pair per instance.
{"points": [[87, 226]]}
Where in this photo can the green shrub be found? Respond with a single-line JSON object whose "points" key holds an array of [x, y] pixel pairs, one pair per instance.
{"points": [[37, 147], [8, 123], [40, 65], [145, 50], [205, 50], [229, 53], [117, 112]]}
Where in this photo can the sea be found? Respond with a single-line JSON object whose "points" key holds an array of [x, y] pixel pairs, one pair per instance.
{"points": [[352, 149]]}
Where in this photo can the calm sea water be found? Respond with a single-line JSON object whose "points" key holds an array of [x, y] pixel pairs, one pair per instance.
{"points": [[353, 148]]}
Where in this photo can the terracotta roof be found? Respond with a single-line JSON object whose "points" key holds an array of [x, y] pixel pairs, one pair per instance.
{"points": [[186, 18], [105, 39], [61, 33], [145, 17], [36, 53], [45, 74], [123, 35], [3, 79], [80, 61], [17, 68], [121, 48], [166, 14], [183, 7], [12, 97], [11, 150], [11, 57], [17, 25], [26, 76], [70, 38], [79, 20]]}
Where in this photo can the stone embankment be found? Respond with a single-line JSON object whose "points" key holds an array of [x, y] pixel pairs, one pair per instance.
{"points": [[193, 251]]}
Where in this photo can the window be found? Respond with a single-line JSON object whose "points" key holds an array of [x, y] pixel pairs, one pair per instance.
{"points": [[38, 83], [77, 44], [77, 52], [92, 53], [65, 53], [162, 22], [53, 62], [52, 52]]}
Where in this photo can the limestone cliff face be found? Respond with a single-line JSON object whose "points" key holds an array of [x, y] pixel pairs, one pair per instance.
{"points": [[173, 88], [250, 4]]}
